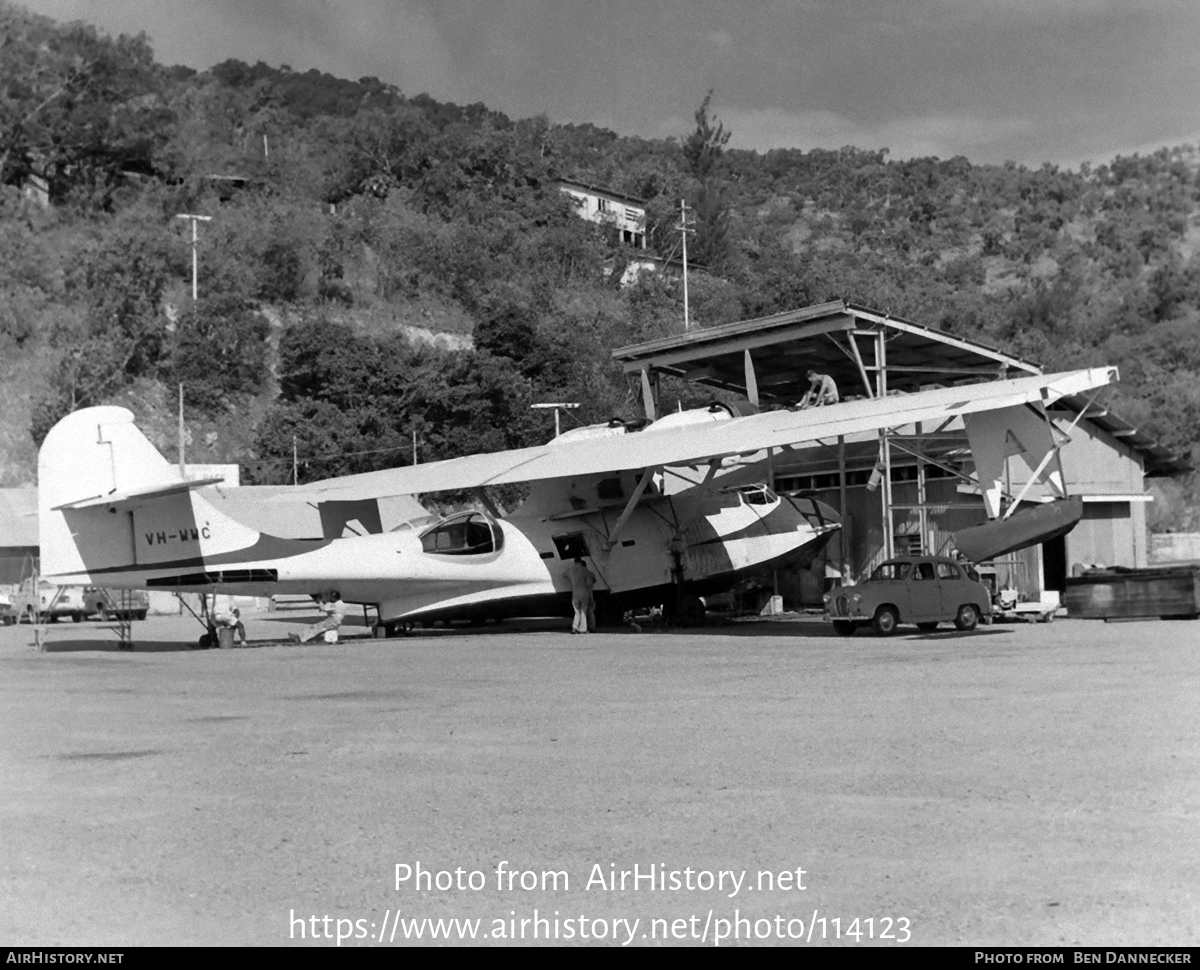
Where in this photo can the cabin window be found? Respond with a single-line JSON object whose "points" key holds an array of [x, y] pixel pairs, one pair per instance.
{"points": [[610, 488], [472, 534], [571, 545], [923, 570]]}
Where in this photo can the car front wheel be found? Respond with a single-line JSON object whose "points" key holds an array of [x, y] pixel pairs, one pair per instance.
{"points": [[968, 617], [886, 620]]}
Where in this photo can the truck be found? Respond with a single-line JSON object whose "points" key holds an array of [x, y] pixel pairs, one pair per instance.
{"points": [[48, 601], [129, 604]]}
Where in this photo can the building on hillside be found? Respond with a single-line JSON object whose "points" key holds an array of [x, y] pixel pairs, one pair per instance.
{"points": [[605, 207], [628, 215], [929, 495]]}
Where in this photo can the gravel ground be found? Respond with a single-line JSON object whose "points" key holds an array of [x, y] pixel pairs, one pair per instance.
{"points": [[1022, 785]]}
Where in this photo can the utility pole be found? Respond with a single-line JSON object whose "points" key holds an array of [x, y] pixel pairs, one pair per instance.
{"points": [[195, 239], [684, 230], [182, 457], [558, 407], [295, 463]]}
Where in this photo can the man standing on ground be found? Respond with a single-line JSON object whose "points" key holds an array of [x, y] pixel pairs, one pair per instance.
{"points": [[582, 582]]}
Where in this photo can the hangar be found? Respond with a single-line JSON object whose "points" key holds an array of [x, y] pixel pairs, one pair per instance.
{"points": [[909, 490], [18, 534]]}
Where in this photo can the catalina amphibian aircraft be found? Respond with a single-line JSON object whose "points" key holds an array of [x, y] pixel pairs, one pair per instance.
{"points": [[645, 505]]}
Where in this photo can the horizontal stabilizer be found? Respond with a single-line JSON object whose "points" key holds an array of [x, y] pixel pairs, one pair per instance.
{"points": [[130, 498]]}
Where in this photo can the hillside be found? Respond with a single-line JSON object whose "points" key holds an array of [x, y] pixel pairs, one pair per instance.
{"points": [[349, 219]]}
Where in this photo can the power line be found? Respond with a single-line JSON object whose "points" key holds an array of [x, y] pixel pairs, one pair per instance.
{"points": [[329, 457]]}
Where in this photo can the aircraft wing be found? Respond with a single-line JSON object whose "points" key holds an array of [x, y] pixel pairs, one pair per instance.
{"points": [[692, 445]]}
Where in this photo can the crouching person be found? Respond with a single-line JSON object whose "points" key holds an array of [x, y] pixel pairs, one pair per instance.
{"points": [[231, 620], [333, 605]]}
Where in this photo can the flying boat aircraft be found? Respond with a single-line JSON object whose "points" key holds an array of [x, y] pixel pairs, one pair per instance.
{"points": [[643, 502]]}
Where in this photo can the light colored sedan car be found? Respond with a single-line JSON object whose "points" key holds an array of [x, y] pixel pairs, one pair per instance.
{"points": [[925, 590]]}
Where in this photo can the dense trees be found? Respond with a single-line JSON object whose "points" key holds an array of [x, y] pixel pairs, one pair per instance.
{"points": [[350, 219]]}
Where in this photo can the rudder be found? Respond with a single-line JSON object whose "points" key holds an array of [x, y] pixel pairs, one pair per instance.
{"points": [[108, 501]]}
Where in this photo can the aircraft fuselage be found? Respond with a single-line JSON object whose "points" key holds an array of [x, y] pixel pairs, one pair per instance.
{"points": [[474, 565]]}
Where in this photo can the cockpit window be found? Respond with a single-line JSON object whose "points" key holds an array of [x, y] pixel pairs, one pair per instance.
{"points": [[758, 495], [467, 534], [754, 494]]}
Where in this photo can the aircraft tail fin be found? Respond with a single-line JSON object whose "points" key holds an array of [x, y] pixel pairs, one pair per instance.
{"points": [[109, 502]]}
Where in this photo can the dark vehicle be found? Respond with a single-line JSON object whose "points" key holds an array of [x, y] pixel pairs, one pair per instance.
{"points": [[130, 604], [925, 590]]}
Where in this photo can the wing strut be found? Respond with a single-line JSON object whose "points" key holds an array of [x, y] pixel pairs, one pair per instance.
{"points": [[1046, 459], [648, 395], [646, 478], [1055, 454]]}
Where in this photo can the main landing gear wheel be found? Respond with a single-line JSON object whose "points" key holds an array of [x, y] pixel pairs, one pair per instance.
{"points": [[886, 620], [609, 612], [968, 617], [844, 628], [689, 611]]}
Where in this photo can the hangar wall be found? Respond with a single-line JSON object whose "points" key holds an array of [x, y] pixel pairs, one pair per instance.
{"points": [[18, 534], [1107, 472]]}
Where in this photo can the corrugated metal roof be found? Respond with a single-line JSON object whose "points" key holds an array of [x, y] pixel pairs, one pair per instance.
{"points": [[822, 337], [1159, 459], [783, 346]]}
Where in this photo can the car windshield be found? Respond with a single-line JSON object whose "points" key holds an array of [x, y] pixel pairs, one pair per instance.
{"points": [[891, 570]]}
